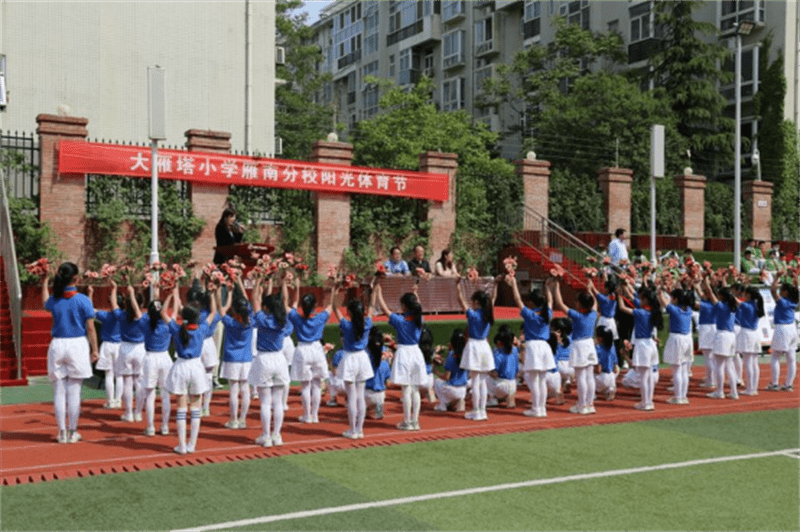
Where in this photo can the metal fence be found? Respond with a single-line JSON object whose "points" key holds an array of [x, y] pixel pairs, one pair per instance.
{"points": [[19, 159], [9, 256]]}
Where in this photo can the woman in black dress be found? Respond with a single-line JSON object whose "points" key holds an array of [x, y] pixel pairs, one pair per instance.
{"points": [[228, 232]]}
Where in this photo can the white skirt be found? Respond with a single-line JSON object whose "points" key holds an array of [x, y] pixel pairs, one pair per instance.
{"points": [[678, 349], [785, 338], [268, 369], [309, 362], [235, 371], [583, 353], [705, 336], [610, 324], [408, 366], [355, 366], [724, 343], [68, 358], [645, 353], [553, 380], [427, 381], [748, 341], [107, 356], [187, 376], [130, 358], [538, 356], [477, 356], [374, 398], [210, 355], [155, 369]]}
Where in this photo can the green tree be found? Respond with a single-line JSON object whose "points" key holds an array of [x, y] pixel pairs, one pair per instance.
{"points": [[686, 71], [718, 218], [486, 187]]}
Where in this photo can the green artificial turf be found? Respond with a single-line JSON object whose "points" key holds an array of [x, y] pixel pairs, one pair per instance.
{"points": [[758, 494]]}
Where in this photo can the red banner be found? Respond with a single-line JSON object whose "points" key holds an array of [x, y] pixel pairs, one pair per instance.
{"points": [[201, 167]]}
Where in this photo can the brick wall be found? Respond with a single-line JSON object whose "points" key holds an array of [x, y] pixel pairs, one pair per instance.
{"points": [[692, 190], [758, 208], [615, 184], [331, 211], [442, 215]]}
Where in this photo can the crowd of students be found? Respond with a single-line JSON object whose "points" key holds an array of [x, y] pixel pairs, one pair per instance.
{"points": [[585, 348]]}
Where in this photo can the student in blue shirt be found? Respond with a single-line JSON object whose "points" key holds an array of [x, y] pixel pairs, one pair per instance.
{"points": [[131, 350], [335, 382], [375, 387], [426, 346], [679, 349], [308, 364], [607, 368], [502, 386], [583, 356], [187, 378], [706, 330], [725, 305], [606, 303], [538, 356], [560, 342], [478, 357], [355, 367], [73, 348], [109, 351], [395, 265], [785, 337], [156, 366], [645, 353], [269, 372], [748, 342], [408, 365], [237, 353], [451, 384]]}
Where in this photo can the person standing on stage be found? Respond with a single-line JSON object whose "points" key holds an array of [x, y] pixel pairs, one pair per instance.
{"points": [[227, 232]]}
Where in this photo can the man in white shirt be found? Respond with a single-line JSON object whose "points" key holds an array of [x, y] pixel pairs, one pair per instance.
{"points": [[617, 249]]}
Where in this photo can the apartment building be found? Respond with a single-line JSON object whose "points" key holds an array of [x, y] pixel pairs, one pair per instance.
{"points": [[459, 43]]}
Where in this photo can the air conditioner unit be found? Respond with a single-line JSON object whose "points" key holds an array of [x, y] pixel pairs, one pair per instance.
{"points": [[278, 146], [280, 55]]}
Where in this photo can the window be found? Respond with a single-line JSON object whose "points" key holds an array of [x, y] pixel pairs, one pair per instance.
{"points": [[453, 94], [483, 31], [370, 101], [532, 22], [452, 49], [533, 9], [370, 69], [391, 66], [733, 11], [641, 22]]}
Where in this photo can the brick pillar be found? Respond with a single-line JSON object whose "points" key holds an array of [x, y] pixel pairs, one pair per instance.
{"points": [[62, 196], [692, 190], [208, 201], [758, 208], [536, 187], [615, 184], [331, 211], [442, 215]]}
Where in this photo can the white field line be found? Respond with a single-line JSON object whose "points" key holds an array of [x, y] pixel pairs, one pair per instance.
{"points": [[475, 491]]}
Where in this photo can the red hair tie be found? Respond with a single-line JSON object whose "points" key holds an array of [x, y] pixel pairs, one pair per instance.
{"points": [[191, 327]]}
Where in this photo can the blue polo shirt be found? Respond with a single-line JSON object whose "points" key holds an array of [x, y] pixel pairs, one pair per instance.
{"points": [[506, 364], [270, 333], [351, 343], [407, 332], [155, 340], [69, 314], [536, 326], [109, 330], [478, 327], [238, 344], [308, 330]]}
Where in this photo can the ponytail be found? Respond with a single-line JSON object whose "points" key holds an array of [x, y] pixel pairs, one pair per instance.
{"points": [[755, 296], [307, 304], [539, 301], [356, 310], [458, 341], [412, 306], [375, 347], [191, 316], [426, 344], [66, 272], [241, 309], [154, 312], [505, 337], [486, 306], [274, 304]]}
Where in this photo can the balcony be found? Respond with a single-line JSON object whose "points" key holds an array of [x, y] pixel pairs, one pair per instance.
{"points": [[532, 28], [489, 47], [350, 58], [454, 11], [642, 50], [453, 61]]}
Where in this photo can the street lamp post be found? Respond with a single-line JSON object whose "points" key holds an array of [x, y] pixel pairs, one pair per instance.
{"points": [[742, 28]]}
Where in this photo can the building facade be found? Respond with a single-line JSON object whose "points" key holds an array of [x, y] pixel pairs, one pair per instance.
{"points": [[459, 43], [90, 59]]}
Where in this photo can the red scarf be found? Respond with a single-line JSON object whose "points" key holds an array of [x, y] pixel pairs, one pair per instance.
{"points": [[69, 292], [191, 327]]}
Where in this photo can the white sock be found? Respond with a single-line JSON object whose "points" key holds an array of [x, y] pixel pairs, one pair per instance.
{"points": [[109, 381], [166, 407], [245, 400], [775, 367], [265, 396], [195, 427], [352, 407], [127, 394], [150, 405], [361, 405], [305, 395], [180, 427], [277, 409], [316, 397], [791, 367], [406, 403], [233, 400]]}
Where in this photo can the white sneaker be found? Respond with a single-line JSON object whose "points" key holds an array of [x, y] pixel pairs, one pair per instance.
{"points": [[205, 412], [575, 409], [414, 426], [542, 412], [492, 402], [137, 416], [242, 423], [405, 426], [332, 403], [277, 440], [127, 418], [180, 450], [473, 415], [62, 436], [440, 408], [530, 413], [74, 437], [190, 449], [350, 435], [150, 431], [232, 424], [164, 430], [303, 419]]}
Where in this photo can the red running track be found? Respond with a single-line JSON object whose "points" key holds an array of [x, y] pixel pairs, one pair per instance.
{"points": [[28, 452]]}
